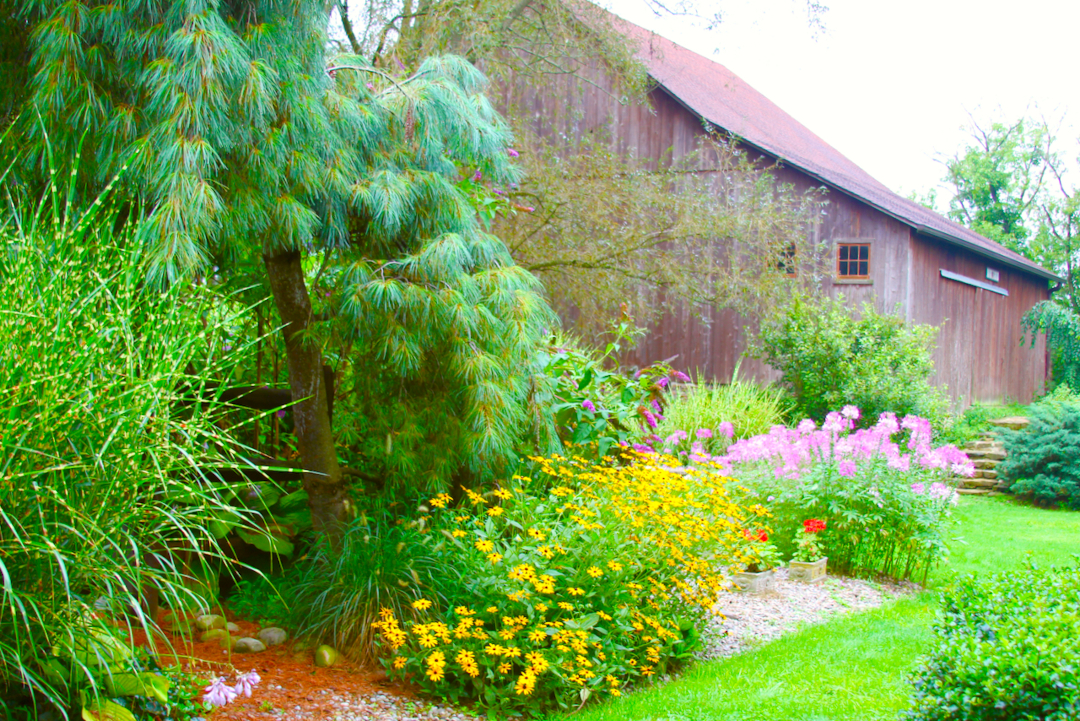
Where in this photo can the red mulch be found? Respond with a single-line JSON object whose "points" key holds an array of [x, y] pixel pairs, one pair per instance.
{"points": [[293, 669]]}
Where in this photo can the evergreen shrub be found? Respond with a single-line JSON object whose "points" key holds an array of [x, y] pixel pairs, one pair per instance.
{"points": [[1043, 460], [577, 583], [831, 355], [1005, 650]]}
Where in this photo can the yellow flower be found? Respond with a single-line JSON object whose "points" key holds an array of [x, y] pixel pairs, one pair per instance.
{"points": [[594, 572], [561, 491], [464, 611], [546, 552], [501, 493], [484, 546], [467, 661], [436, 663], [458, 533], [475, 497], [440, 500], [537, 636], [504, 668], [565, 606], [492, 609], [495, 511], [525, 683], [399, 662], [421, 604], [616, 692], [615, 566], [536, 533], [603, 615], [576, 591], [537, 661], [495, 557], [542, 607]]}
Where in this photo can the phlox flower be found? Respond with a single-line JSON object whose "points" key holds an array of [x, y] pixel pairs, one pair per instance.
{"points": [[806, 426], [834, 423], [727, 428], [846, 468], [851, 412], [887, 423], [218, 693], [675, 438], [246, 682], [703, 433], [918, 488]]}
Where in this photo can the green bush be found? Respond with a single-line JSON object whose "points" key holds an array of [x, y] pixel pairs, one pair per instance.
{"points": [[106, 491], [1005, 650], [1043, 460], [831, 355], [382, 563], [578, 583]]}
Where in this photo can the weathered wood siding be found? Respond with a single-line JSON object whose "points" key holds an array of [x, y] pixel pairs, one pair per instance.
{"points": [[978, 358]]}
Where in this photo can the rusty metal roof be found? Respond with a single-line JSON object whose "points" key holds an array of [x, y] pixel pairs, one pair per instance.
{"points": [[725, 100]]}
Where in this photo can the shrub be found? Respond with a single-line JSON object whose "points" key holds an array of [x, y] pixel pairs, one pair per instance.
{"points": [[1042, 461], [884, 504], [751, 409], [100, 440], [1005, 650], [828, 357], [577, 584], [339, 593]]}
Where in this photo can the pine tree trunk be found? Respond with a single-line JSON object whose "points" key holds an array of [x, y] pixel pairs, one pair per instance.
{"points": [[311, 414]]}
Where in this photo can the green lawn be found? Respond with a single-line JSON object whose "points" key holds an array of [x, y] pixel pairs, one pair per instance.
{"points": [[852, 667]]}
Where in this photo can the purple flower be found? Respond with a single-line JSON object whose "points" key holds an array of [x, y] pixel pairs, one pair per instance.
{"points": [[499, 192], [680, 376], [642, 448], [662, 382], [371, 86], [512, 153], [851, 412], [806, 426], [727, 428], [650, 419], [246, 682], [280, 413], [846, 468], [918, 488], [528, 208], [588, 405], [218, 694], [656, 406], [703, 433]]}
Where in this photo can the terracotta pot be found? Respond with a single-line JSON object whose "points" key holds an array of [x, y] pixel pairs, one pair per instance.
{"points": [[758, 583], [807, 571]]}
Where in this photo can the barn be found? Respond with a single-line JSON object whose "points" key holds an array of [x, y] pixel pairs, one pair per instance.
{"points": [[887, 249]]}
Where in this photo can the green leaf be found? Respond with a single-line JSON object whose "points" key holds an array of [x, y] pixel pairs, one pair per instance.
{"points": [[268, 542], [103, 710]]}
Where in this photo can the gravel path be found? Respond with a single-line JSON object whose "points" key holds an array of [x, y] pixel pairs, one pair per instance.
{"points": [[747, 621]]}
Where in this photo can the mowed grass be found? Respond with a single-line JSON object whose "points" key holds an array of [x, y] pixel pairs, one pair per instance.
{"points": [[853, 667]]}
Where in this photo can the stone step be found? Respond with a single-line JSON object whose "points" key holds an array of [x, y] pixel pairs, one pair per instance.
{"points": [[985, 463], [985, 474], [1015, 423], [984, 446], [973, 491], [980, 483], [986, 455]]}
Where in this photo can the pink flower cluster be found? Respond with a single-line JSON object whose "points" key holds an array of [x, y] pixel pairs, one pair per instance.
{"points": [[219, 693], [794, 451]]}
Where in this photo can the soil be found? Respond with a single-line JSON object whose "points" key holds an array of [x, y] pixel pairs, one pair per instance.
{"points": [[291, 686]]}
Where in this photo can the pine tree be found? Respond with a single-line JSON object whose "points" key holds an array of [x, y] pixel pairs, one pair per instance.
{"points": [[238, 139]]}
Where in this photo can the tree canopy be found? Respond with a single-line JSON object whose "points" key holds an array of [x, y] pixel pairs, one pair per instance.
{"points": [[238, 140]]}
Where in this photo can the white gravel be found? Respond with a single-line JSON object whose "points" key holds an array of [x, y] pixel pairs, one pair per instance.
{"points": [[747, 621]]}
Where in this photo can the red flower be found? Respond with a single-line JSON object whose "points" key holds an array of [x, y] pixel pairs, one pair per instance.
{"points": [[813, 525], [763, 536]]}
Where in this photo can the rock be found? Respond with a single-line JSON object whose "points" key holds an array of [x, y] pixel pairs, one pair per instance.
{"points": [[326, 656], [212, 634], [1016, 423], [248, 645], [210, 621], [173, 618], [227, 642], [232, 627], [273, 636]]}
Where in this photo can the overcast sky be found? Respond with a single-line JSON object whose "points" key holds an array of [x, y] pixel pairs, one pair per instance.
{"points": [[890, 84]]}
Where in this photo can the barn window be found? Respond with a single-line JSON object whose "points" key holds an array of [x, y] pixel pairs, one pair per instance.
{"points": [[786, 263], [853, 260]]}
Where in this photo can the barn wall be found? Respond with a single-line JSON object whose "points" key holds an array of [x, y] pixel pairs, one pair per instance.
{"points": [[978, 358]]}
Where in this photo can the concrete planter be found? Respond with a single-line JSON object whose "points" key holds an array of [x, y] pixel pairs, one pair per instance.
{"points": [[757, 584], [807, 572]]}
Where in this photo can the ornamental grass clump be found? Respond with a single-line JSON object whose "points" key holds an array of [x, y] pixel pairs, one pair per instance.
{"points": [[884, 492], [580, 582]]}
